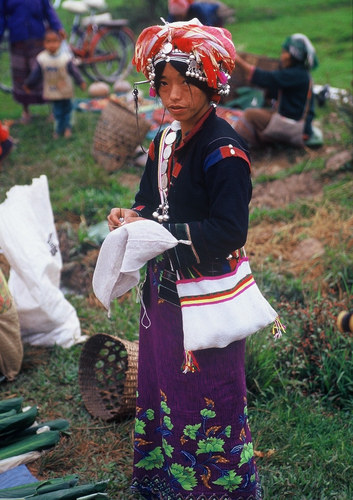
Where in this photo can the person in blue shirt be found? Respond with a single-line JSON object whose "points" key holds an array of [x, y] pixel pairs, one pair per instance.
{"points": [[290, 86], [26, 22]]}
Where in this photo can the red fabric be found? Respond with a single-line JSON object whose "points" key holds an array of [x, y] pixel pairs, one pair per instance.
{"points": [[227, 151], [4, 134]]}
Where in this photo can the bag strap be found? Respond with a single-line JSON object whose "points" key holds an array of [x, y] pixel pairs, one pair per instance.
{"points": [[308, 99]]}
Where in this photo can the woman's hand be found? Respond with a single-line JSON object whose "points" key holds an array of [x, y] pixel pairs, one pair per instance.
{"points": [[244, 65], [121, 216], [62, 34]]}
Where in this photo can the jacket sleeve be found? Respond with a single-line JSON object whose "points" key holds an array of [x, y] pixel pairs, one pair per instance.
{"points": [[277, 79], [2, 19], [51, 16], [74, 72], [224, 229]]}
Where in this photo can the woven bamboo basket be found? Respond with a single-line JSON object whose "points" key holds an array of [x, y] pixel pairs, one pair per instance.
{"points": [[108, 376], [117, 135]]}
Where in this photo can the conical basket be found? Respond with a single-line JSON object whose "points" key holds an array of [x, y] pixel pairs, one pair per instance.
{"points": [[108, 376], [117, 135]]}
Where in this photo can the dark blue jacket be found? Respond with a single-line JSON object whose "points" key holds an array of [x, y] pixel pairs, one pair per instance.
{"points": [[27, 19], [209, 199], [290, 86]]}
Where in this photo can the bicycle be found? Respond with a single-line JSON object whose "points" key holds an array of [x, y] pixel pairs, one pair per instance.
{"points": [[102, 47]]}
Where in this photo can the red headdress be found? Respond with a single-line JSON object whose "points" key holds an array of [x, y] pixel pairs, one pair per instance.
{"points": [[208, 51]]}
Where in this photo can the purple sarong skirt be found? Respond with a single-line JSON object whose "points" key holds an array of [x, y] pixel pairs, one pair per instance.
{"points": [[23, 58], [192, 437]]}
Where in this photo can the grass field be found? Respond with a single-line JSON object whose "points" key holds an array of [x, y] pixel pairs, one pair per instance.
{"points": [[301, 388]]}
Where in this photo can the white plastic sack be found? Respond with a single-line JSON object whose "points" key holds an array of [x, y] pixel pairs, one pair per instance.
{"points": [[30, 243]]}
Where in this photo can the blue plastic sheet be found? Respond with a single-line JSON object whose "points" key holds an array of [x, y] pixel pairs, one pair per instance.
{"points": [[16, 477]]}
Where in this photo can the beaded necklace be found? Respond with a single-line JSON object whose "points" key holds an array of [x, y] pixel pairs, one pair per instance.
{"points": [[168, 139]]}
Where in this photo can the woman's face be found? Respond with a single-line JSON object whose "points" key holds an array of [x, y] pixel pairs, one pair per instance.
{"points": [[285, 59], [185, 102]]}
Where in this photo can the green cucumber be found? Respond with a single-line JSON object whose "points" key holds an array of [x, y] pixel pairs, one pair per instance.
{"points": [[54, 425], [18, 422], [8, 414], [12, 403], [73, 493], [40, 487], [30, 443]]}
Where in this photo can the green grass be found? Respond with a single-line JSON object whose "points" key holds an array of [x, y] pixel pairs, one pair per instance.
{"points": [[262, 30], [306, 449]]}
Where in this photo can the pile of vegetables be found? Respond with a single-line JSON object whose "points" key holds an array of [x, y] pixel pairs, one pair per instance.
{"points": [[20, 435], [18, 432]]}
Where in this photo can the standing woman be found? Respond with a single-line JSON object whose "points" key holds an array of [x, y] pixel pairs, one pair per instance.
{"points": [[26, 21], [290, 86], [192, 438]]}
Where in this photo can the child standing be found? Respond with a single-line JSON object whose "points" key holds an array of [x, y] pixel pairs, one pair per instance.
{"points": [[57, 71]]}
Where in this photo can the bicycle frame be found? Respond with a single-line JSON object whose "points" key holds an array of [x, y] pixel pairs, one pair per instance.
{"points": [[88, 39], [102, 46]]}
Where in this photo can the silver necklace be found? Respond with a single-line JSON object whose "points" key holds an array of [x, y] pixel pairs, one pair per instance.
{"points": [[168, 138]]}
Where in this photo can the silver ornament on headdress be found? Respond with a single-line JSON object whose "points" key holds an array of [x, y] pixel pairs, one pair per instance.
{"points": [[194, 69]]}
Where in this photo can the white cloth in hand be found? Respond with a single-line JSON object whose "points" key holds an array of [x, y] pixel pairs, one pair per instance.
{"points": [[123, 253]]}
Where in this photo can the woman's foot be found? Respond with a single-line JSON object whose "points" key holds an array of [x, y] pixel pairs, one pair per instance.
{"points": [[25, 118], [68, 133]]}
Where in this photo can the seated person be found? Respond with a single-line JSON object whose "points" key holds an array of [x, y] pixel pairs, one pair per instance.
{"points": [[208, 12], [290, 86]]}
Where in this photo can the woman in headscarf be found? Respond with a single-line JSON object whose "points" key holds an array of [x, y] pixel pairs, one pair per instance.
{"points": [[192, 438], [290, 86]]}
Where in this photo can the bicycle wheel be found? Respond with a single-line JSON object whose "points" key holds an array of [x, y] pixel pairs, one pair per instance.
{"points": [[129, 42], [5, 66], [111, 54]]}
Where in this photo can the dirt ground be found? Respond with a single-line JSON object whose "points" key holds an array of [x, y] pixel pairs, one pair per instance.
{"points": [[298, 247]]}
